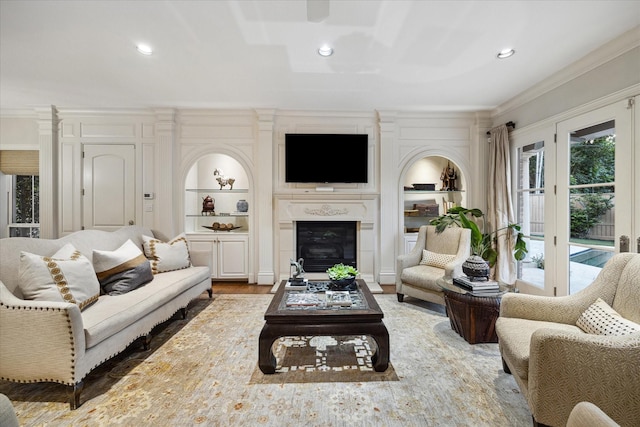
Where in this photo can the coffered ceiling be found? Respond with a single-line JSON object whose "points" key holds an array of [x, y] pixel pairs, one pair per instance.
{"points": [[410, 55]]}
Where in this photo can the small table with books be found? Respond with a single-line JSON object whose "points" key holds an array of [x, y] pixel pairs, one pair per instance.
{"points": [[473, 308], [314, 310]]}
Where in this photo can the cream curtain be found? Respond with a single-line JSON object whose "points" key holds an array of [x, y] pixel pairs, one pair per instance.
{"points": [[500, 209]]}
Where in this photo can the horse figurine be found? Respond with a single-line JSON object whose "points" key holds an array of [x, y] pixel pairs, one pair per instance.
{"points": [[223, 181]]}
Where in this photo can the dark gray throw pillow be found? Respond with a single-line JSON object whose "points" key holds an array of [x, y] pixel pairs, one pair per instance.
{"points": [[122, 270]]}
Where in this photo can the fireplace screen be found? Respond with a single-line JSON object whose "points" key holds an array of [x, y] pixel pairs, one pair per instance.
{"points": [[325, 243]]}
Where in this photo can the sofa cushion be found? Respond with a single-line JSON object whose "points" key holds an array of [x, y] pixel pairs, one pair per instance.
{"points": [[600, 319], [515, 340], [434, 259], [422, 276], [169, 256], [113, 313], [66, 276], [122, 270]]}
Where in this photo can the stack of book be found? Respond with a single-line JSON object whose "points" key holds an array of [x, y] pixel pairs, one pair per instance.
{"points": [[486, 286]]}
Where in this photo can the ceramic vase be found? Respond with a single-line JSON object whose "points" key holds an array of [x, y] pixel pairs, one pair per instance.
{"points": [[476, 268], [242, 206]]}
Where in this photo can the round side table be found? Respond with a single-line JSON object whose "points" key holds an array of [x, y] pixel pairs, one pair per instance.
{"points": [[472, 316]]}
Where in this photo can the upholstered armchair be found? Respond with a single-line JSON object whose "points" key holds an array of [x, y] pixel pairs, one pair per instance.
{"points": [[556, 363], [433, 256]]}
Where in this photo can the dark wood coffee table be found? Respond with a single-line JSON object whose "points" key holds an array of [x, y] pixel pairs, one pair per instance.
{"points": [[363, 318], [473, 317]]}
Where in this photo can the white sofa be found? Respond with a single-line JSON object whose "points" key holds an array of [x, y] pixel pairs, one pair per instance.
{"points": [[56, 341]]}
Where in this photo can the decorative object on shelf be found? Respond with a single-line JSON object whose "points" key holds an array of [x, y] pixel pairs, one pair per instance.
{"points": [[296, 270], [476, 268], [242, 205], [223, 181], [424, 187], [208, 206], [342, 277], [222, 227], [448, 178]]}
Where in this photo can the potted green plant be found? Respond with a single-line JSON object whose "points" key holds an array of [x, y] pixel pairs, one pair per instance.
{"points": [[342, 277], [482, 243]]}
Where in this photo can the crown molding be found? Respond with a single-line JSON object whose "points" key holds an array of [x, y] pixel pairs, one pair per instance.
{"points": [[605, 53]]}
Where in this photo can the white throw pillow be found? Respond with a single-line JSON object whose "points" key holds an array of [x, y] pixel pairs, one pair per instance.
{"points": [[122, 270], [434, 259], [169, 256], [66, 276], [601, 319]]}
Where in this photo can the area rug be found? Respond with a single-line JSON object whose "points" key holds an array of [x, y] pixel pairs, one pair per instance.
{"points": [[201, 371]]}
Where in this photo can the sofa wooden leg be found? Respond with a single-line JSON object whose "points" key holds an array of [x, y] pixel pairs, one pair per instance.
{"points": [[183, 313], [505, 367], [400, 297], [146, 342], [74, 395], [210, 292]]}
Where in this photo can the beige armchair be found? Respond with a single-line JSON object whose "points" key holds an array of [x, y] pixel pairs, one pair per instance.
{"points": [[419, 280], [556, 364]]}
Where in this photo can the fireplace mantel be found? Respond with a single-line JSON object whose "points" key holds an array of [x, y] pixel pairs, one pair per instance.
{"points": [[362, 210]]}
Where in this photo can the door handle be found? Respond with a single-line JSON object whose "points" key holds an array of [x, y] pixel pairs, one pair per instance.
{"points": [[624, 244], [131, 222]]}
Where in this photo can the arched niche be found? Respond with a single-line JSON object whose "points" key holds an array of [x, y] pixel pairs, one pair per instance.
{"points": [[426, 183], [201, 181]]}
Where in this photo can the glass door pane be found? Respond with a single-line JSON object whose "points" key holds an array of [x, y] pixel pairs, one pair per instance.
{"points": [[591, 202], [530, 210]]}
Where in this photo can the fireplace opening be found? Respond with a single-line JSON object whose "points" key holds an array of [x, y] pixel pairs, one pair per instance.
{"points": [[325, 243]]}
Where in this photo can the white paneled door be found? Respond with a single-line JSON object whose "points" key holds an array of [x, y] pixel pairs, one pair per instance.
{"points": [[108, 201]]}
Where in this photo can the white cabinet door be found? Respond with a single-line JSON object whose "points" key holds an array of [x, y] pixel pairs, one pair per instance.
{"points": [[232, 257], [230, 253], [409, 242], [108, 186]]}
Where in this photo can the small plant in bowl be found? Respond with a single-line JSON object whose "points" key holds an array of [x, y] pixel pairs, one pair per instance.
{"points": [[342, 277]]}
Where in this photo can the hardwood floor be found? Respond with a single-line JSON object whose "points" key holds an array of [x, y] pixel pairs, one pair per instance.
{"points": [[245, 288]]}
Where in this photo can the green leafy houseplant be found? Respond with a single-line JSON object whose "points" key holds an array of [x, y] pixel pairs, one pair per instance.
{"points": [[341, 271], [482, 243]]}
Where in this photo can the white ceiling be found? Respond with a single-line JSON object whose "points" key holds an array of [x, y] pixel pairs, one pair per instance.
{"points": [[392, 54]]}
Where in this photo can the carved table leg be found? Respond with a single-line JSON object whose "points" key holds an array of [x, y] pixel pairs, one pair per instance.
{"points": [[266, 359]]}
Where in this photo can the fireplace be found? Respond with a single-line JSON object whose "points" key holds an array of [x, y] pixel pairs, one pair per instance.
{"points": [[324, 243]]}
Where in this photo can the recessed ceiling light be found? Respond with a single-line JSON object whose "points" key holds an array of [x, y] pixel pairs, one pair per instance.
{"points": [[505, 53], [325, 50], [144, 49]]}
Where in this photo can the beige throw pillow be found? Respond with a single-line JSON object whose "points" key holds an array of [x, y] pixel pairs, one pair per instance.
{"points": [[434, 259], [601, 319], [169, 256], [66, 276]]}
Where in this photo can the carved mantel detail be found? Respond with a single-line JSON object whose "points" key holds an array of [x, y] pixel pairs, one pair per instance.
{"points": [[326, 210]]}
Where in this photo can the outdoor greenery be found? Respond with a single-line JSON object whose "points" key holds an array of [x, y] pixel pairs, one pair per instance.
{"points": [[592, 161], [27, 209], [482, 243]]}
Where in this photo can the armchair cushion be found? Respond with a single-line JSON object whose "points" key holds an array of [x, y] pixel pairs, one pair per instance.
{"points": [[601, 319], [434, 259]]}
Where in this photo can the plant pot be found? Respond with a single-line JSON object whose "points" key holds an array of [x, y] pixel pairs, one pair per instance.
{"points": [[346, 284], [476, 268]]}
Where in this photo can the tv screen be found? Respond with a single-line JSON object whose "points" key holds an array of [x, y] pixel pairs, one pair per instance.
{"points": [[326, 158]]}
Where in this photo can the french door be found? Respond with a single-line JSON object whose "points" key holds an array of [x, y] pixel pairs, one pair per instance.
{"points": [[597, 186]]}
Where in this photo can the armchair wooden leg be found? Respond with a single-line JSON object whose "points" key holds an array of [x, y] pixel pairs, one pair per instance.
{"points": [[210, 292], [537, 424], [400, 297], [505, 367]]}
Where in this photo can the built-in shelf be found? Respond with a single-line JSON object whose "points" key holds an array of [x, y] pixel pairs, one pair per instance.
{"points": [[224, 215], [217, 190], [432, 191]]}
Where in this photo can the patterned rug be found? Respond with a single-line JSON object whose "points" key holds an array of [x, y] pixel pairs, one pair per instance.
{"points": [[202, 371]]}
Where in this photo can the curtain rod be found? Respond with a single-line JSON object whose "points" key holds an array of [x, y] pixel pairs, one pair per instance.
{"points": [[508, 124]]}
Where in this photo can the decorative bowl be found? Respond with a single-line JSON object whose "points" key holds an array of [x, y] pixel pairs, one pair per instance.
{"points": [[346, 284], [476, 268]]}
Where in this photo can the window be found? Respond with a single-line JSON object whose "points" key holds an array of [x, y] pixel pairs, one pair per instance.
{"points": [[25, 204]]}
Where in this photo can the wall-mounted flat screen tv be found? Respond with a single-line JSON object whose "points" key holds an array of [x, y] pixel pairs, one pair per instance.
{"points": [[326, 158]]}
